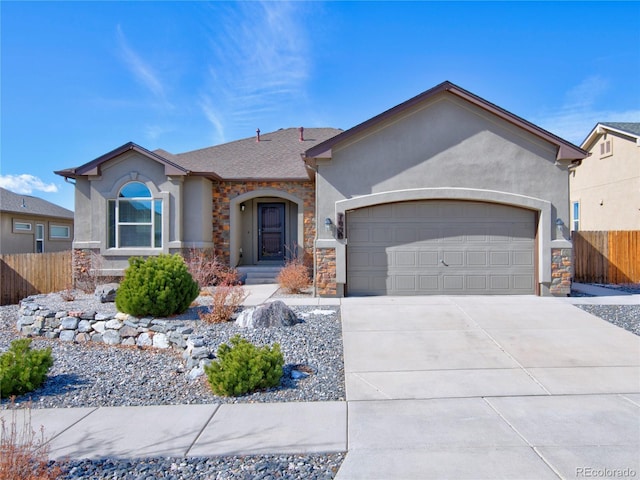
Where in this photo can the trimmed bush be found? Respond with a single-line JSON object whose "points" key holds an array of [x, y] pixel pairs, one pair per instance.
{"points": [[158, 286], [244, 368], [23, 370]]}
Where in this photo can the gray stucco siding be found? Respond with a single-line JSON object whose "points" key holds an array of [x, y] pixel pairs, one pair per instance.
{"points": [[443, 144], [444, 149]]}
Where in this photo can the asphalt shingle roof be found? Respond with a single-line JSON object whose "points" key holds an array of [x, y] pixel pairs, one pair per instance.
{"points": [[26, 204], [275, 156], [630, 127]]}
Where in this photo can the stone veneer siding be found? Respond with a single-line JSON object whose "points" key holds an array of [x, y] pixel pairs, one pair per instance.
{"points": [[83, 268], [224, 191], [326, 272], [561, 271]]}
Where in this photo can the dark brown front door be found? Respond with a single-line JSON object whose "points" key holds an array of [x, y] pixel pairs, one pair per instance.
{"points": [[271, 231]]}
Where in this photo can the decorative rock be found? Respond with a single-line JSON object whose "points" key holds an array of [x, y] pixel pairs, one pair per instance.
{"points": [[61, 314], [89, 315], [83, 337], [144, 340], [101, 317], [100, 326], [67, 335], [177, 339], [160, 340], [111, 337], [121, 316], [127, 331], [69, 323], [114, 325], [26, 320], [107, 292], [273, 314], [97, 338], [195, 372], [195, 341], [84, 326], [199, 352], [129, 341]]}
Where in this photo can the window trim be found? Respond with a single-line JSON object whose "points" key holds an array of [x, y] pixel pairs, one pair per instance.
{"points": [[575, 219], [59, 237], [113, 215], [17, 229], [39, 237]]}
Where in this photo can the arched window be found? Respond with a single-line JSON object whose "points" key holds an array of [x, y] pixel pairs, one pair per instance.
{"points": [[135, 218]]}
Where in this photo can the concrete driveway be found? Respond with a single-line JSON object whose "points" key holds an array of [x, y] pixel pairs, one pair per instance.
{"points": [[488, 387]]}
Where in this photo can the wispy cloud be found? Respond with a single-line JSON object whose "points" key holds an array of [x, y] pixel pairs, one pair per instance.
{"points": [[260, 60], [26, 184], [582, 109], [140, 69]]}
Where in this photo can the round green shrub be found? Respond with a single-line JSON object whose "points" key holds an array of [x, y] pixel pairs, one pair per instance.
{"points": [[243, 368], [158, 286], [22, 370]]}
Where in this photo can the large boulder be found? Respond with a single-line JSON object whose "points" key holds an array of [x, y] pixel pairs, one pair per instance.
{"points": [[107, 292], [273, 314]]}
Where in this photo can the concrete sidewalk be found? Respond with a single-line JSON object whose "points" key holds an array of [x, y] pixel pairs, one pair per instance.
{"points": [[191, 430]]}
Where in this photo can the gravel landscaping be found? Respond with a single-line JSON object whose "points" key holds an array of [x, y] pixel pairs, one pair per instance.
{"points": [[93, 374]]}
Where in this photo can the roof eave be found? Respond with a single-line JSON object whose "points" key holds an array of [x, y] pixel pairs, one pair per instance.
{"points": [[93, 167]]}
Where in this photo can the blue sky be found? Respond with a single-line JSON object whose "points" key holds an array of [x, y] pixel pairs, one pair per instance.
{"points": [[79, 79]]}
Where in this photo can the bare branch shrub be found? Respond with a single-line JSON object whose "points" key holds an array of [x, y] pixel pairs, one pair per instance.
{"points": [[207, 270], [294, 276], [24, 454], [226, 300]]}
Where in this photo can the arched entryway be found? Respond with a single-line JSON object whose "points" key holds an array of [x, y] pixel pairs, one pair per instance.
{"points": [[267, 226]]}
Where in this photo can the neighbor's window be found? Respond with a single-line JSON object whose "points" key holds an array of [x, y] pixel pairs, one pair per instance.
{"points": [[135, 218], [39, 238], [59, 231], [576, 216], [21, 227]]}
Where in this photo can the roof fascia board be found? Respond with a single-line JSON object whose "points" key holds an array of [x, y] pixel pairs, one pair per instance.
{"points": [[601, 129], [92, 168]]}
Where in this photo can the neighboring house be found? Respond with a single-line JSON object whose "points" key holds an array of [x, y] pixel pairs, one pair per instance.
{"points": [[605, 187], [445, 193], [33, 225]]}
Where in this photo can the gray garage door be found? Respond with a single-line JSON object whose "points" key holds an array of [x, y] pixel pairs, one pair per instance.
{"points": [[440, 247]]}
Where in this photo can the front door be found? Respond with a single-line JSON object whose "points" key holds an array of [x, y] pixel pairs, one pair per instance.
{"points": [[270, 231]]}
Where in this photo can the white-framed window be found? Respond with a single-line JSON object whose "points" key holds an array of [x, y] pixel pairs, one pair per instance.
{"points": [[576, 216], [20, 226], [39, 238], [59, 231], [134, 218]]}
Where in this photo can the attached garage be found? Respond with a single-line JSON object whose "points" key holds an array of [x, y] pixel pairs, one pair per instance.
{"points": [[445, 193], [440, 247]]}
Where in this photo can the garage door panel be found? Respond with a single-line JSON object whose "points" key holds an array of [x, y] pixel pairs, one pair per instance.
{"points": [[428, 259], [523, 257], [399, 249]]}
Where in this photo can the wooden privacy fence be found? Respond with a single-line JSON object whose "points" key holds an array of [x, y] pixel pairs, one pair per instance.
{"points": [[607, 257], [25, 274]]}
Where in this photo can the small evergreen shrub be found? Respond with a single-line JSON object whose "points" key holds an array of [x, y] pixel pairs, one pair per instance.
{"points": [[22, 370], [158, 286], [243, 368]]}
